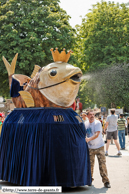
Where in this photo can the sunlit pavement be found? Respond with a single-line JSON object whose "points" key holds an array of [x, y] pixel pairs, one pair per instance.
{"points": [[118, 172]]}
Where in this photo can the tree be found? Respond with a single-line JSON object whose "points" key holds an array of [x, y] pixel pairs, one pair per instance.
{"points": [[103, 36], [31, 28], [106, 87]]}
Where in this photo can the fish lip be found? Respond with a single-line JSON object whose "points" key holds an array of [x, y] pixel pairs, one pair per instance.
{"points": [[76, 77]]}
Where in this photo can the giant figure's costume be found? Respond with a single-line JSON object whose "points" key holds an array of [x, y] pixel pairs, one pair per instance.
{"points": [[43, 140]]}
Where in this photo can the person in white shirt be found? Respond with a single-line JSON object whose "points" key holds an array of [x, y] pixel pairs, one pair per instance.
{"points": [[111, 126], [96, 146]]}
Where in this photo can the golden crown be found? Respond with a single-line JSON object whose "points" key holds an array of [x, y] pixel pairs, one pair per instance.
{"points": [[60, 56]]}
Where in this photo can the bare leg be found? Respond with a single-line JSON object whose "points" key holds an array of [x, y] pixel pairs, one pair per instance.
{"points": [[107, 144], [111, 139], [117, 144]]}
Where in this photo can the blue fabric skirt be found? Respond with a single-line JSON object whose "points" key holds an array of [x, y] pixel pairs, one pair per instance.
{"points": [[39, 149]]}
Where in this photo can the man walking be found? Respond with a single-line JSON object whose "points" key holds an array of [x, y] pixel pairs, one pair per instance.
{"points": [[121, 131], [111, 126], [96, 146]]}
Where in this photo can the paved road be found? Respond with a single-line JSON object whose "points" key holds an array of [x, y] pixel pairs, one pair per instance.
{"points": [[118, 171]]}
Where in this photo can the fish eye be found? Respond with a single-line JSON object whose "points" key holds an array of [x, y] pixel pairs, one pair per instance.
{"points": [[53, 72]]}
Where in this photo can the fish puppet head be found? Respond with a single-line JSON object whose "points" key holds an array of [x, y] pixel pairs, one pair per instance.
{"points": [[68, 76], [58, 82]]}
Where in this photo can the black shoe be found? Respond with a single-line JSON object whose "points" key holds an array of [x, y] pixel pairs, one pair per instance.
{"points": [[119, 154], [107, 185]]}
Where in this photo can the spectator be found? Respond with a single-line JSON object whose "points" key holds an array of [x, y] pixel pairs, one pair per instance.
{"points": [[121, 131], [103, 123], [100, 120], [84, 116], [128, 126], [96, 146], [111, 126], [78, 106]]}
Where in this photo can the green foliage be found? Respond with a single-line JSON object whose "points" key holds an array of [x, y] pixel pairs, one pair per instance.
{"points": [[107, 87], [103, 54], [103, 36], [31, 28], [86, 94]]}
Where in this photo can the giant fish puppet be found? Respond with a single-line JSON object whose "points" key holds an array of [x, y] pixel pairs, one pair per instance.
{"points": [[43, 139], [55, 85]]}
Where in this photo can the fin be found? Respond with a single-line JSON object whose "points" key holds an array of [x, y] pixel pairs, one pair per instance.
{"points": [[28, 99], [10, 68], [36, 69]]}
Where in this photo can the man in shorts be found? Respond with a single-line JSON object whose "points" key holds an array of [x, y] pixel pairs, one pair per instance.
{"points": [[111, 126]]}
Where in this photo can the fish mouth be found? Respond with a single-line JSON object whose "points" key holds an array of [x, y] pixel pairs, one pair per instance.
{"points": [[76, 78]]}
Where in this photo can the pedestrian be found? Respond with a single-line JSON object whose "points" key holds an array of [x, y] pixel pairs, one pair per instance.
{"points": [[111, 126], [104, 121], [84, 116], [121, 131], [100, 120], [78, 109], [96, 146], [128, 126]]}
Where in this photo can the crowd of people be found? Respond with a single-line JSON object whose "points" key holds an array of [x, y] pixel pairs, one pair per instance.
{"points": [[77, 105], [96, 130], [2, 118]]}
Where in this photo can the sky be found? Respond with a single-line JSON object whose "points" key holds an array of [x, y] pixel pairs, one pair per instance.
{"points": [[77, 8]]}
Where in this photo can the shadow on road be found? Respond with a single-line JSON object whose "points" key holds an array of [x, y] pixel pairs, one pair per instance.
{"points": [[5, 183], [74, 190], [114, 156], [85, 189]]}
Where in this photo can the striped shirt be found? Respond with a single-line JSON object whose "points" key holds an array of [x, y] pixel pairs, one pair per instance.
{"points": [[121, 124]]}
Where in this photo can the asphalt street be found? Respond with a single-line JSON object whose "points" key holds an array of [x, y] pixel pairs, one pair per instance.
{"points": [[118, 172]]}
